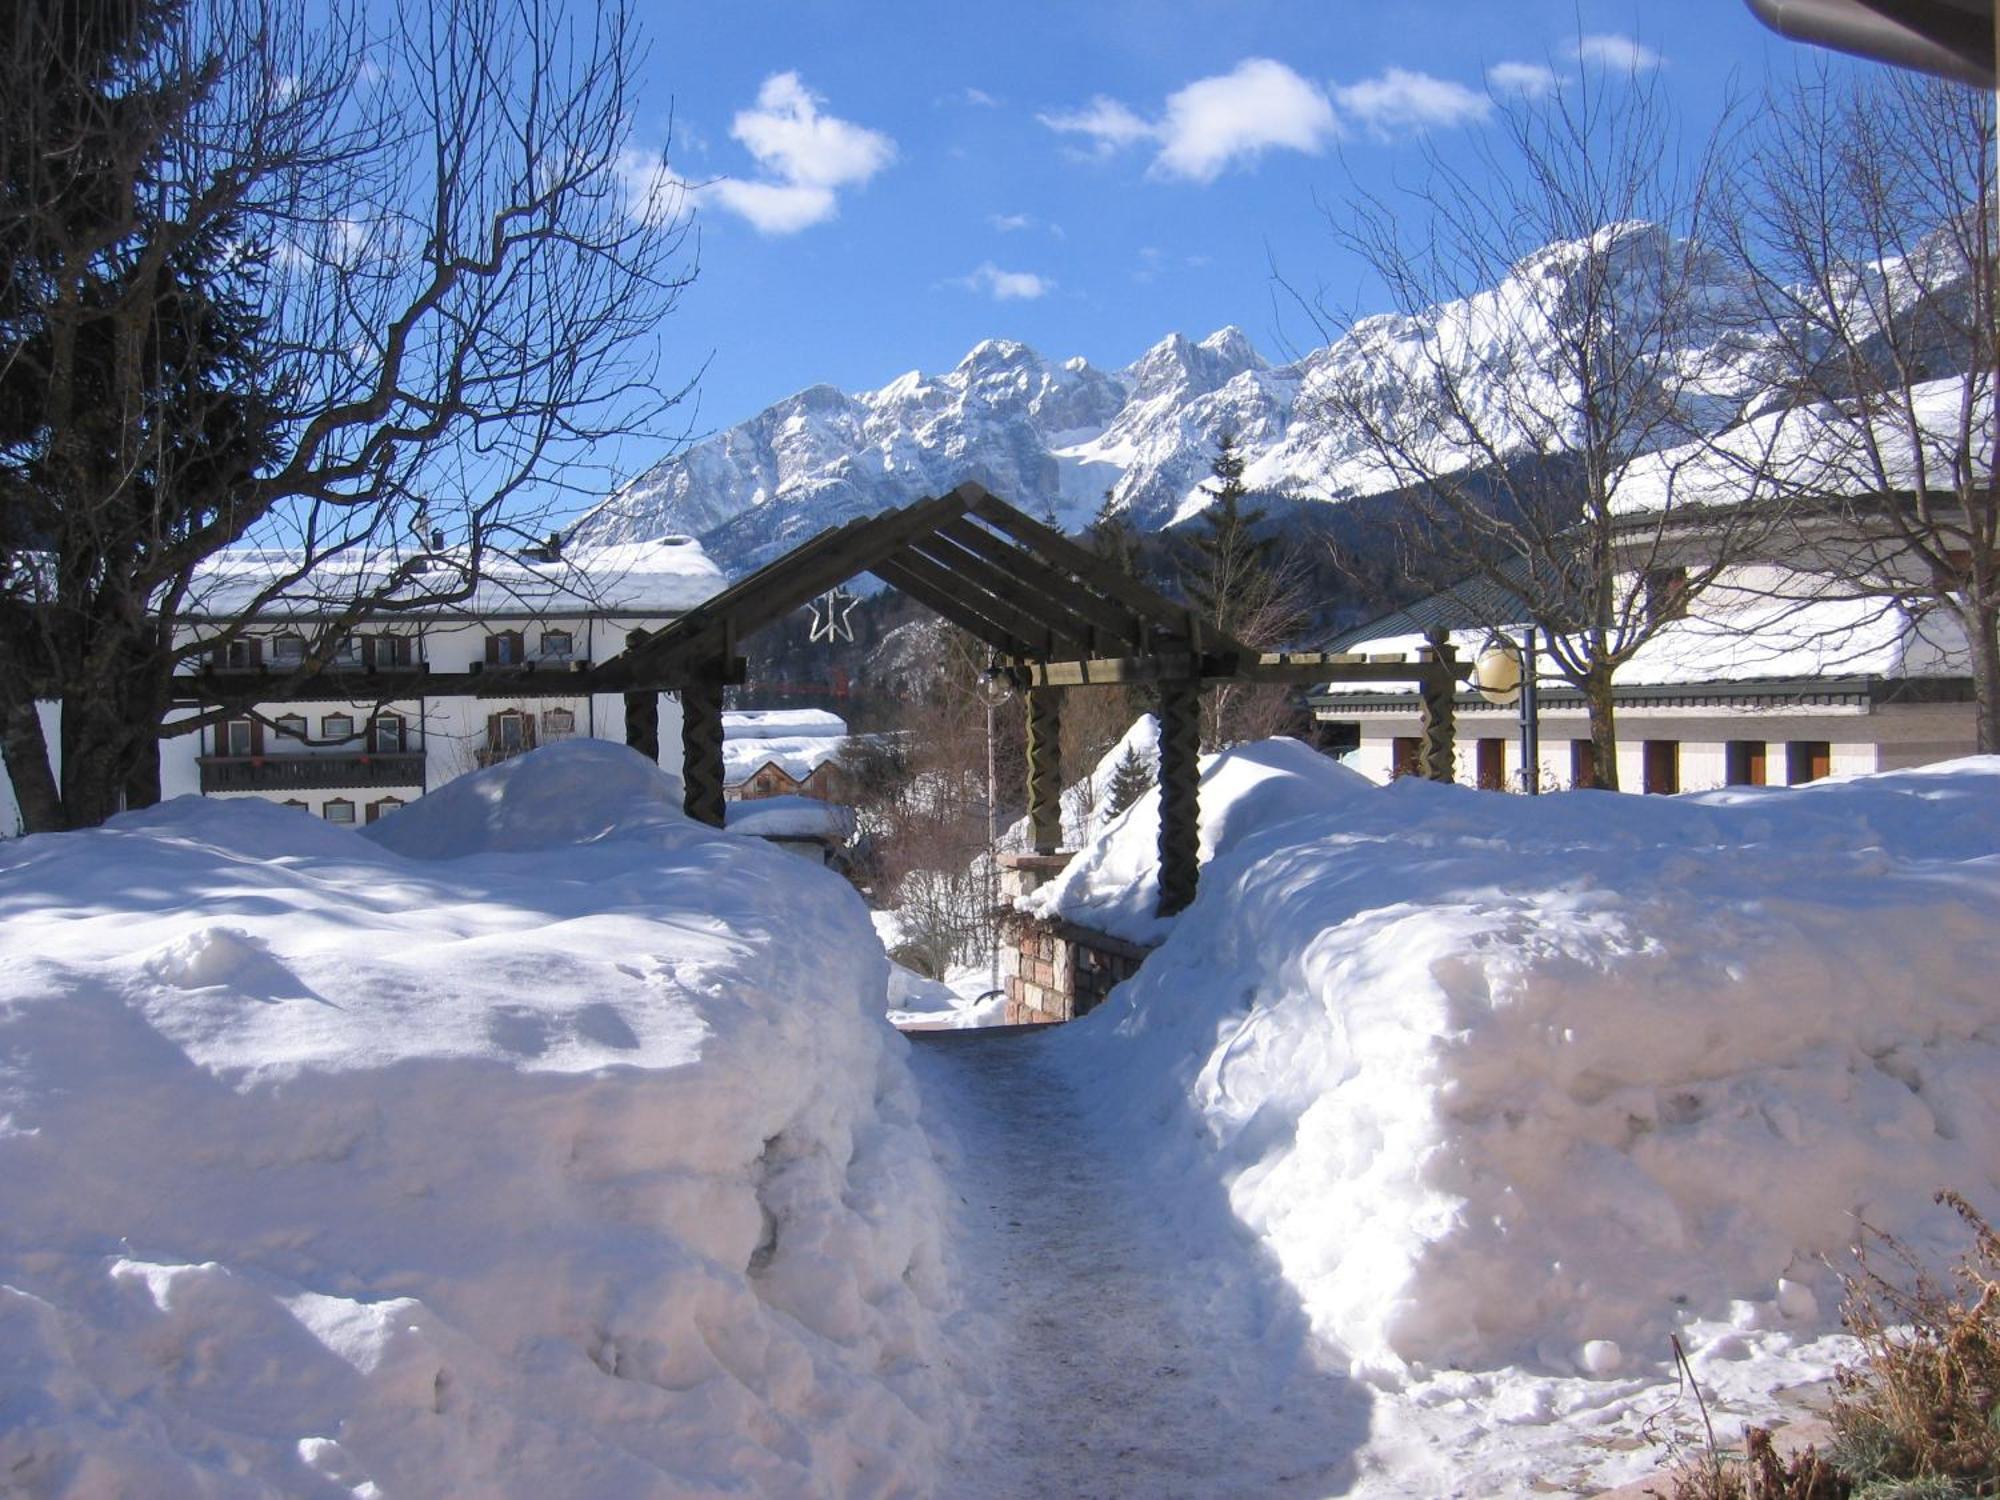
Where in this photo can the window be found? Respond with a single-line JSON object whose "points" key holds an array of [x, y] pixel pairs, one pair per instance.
{"points": [[337, 810], [296, 802], [288, 650], [1807, 760], [1743, 762], [1582, 763], [557, 722], [383, 806], [292, 726], [336, 727], [239, 654], [1663, 766], [511, 732], [1406, 755], [556, 644], [239, 737], [1492, 765], [393, 651], [387, 734], [503, 648], [1666, 591], [348, 652]]}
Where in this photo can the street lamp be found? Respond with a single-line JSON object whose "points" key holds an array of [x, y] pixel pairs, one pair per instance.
{"points": [[1504, 673]]}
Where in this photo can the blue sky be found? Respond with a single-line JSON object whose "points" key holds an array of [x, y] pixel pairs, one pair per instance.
{"points": [[885, 184]]}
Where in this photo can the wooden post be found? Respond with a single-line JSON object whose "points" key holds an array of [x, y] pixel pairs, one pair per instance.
{"points": [[1437, 695], [1180, 808], [1045, 768], [642, 713], [701, 750]]}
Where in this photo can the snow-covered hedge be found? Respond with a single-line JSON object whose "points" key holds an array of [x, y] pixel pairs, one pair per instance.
{"points": [[1502, 1079], [536, 1142]]}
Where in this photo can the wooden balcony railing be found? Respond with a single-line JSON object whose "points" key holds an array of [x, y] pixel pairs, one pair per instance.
{"points": [[295, 773]]}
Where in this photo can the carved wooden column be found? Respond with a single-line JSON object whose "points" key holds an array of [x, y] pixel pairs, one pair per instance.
{"points": [[642, 712], [1045, 768], [701, 751], [1180, 809], [1437, 695]]}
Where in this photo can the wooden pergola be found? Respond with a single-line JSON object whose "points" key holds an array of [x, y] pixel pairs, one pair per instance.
{"points": [[1055, 616]]}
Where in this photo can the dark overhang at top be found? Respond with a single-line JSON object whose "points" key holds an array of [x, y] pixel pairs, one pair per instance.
{"points": [[1951, 38]]}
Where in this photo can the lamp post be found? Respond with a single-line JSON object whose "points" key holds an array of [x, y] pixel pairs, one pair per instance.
{"points": [[1504, 674]]}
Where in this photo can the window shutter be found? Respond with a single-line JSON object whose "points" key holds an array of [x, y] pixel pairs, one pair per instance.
{"points": [[256, 736], [527, 731], [256, 657], [492, 731], [368, 651], [493, 659]]}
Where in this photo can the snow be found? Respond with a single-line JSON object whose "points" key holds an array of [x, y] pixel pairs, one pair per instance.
{"points": [[1086, 802], [1511, 1089], [791, 817], [660, 574], [539, 1141], [796, 740]]}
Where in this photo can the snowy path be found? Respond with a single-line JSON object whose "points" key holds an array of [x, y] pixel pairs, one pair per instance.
{"points": [[1130, 1355]]}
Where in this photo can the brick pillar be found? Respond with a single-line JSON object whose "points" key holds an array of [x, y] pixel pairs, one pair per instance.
{"points": [[1045, 768], [1180, 809]]}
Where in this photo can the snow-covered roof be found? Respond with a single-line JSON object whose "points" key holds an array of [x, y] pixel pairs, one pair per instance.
{"points": [[797, 756], [1816, 451], [1749, 638], [790, 818], [669, 575], [770, 723]]}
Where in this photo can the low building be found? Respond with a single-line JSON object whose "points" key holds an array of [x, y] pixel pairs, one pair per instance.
{"points": [[1820, 651], [351, 755], [783, 752]]}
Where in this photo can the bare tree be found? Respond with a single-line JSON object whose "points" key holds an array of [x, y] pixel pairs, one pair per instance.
{"points": [[1559, 316], [435, 283], [1866, 229]]}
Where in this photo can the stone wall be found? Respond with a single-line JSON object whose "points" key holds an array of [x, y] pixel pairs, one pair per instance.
{"points": [[1057, 971]]}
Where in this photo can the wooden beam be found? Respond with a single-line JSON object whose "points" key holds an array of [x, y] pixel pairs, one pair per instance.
{"points": [[1040, 637], [1126, 629], [1045, 768], [1044, 608], [939, 598], [1180, 795], [1436, 696], [1092, 569]]}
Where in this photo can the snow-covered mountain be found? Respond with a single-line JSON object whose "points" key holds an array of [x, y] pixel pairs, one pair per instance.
{"points": [[1057, 438]]}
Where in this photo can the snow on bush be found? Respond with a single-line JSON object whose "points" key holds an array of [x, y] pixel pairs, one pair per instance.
{"points": [[538, 1142], [1502, 1079]]}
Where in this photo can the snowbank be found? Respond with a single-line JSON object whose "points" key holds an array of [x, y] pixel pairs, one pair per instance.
{"points": [[1507, 1080], [539, 1142], [1113, 884]]}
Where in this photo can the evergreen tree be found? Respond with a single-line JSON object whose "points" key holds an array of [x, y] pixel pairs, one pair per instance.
{"points": [[1131, 779], [1230, 574], [130, 405]]}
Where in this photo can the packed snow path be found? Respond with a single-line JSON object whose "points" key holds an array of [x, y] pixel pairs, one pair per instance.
{"points": [[1129, 1354]]}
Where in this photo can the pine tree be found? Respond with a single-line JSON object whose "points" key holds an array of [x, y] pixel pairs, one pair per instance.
{"points": [[1229, 576], [1131, 779]]}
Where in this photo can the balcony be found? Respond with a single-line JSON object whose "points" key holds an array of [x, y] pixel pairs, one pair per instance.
{"points": [[302, 773]]}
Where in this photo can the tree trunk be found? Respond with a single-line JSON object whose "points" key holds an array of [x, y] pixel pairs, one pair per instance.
{"points": [[26, 752], [96, 759], [1983, 636], [1603, 731]]}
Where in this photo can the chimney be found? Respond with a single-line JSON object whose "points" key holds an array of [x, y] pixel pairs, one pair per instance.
{"points": [[437, 539], [554, 550]]}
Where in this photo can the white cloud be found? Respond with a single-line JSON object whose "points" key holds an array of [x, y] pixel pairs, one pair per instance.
{"points": [[1106, 123], [1398, 99], [1530, 80], [980, 97], [805, 157], [1009, 223], [1007, 286], [1215, 123], [1618, 54]]}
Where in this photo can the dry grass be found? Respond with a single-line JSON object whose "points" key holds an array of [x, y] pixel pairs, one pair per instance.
{"points": [[1918, 1417]]}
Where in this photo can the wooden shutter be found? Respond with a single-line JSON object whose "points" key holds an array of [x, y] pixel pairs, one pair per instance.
{"points": [[256, 736], [492, 728], [493, 659], [1582, 763]]}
